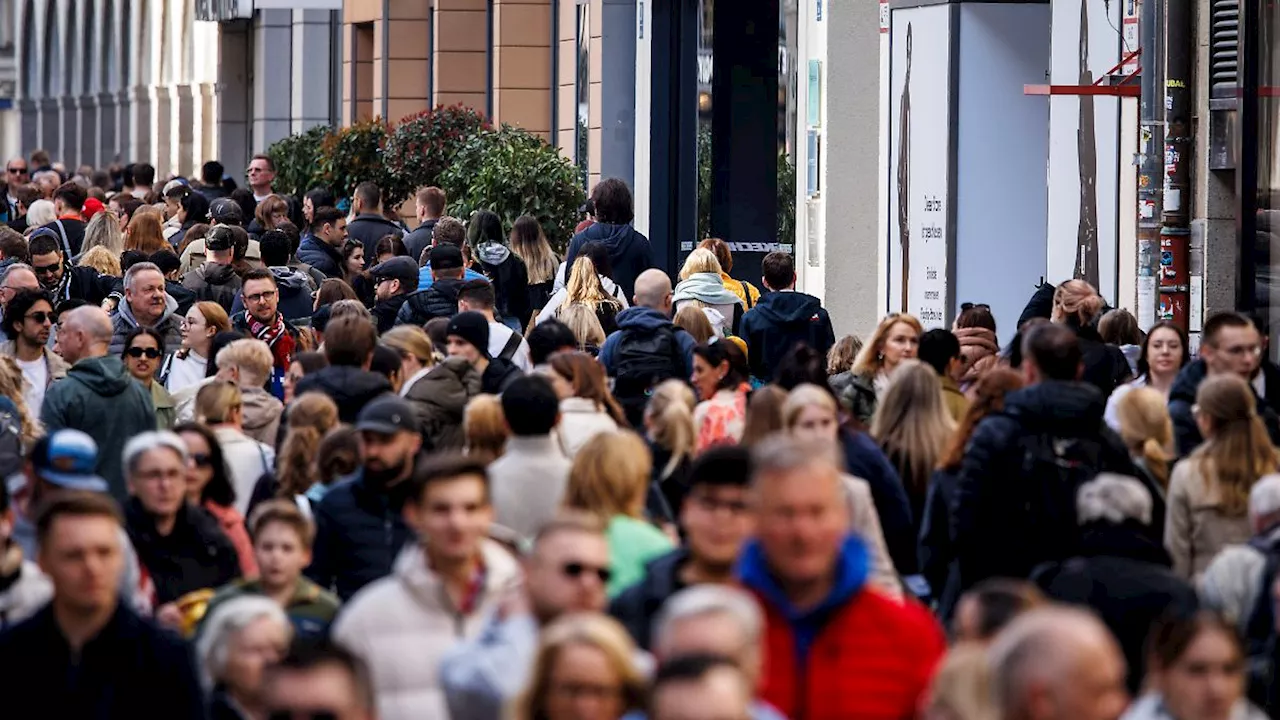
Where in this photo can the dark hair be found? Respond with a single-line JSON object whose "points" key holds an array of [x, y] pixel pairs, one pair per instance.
{"points": [[74, 504], [332, 290], [325, 215], [530, 406], [443, 467], [219, 489], [438, 330], [218, 342], [138, 332], [391, 243], [13, 246], [1144, 367], [71, 194], [779, 270], [800, 366], [1000, 600], [690, 668], [177, 192], [338, 455], [976, 316], [1173, 633], [275, 248], [1119, 327], [368, 194], [290, 230], [4, 498], [128, 206], [1218, 321], [613, 203], [258, 274], [548, 338], [17, 310], [938, 348], [450, 231], [719, 466], [311, 361], [349, 340], [319, 197], [196, 206], [1055, 349], [312, 653], [144, 174], [211, 173], [723, 351], [484, 226], [129, 258], [599, 255], [167, 260], [43, 243], [386, 361], [478, 292], [244, 198]]}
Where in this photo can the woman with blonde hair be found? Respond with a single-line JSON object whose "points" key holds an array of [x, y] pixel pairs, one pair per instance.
{"points": [[40, 213], [701, 286], [529, 243], [485, 428], [146, 233], [610, 479], [672, 437], [220, 406], [694, 321], [961, 687], [417, 356], [1077, 305], [589, 287], [896, 338], [810, 414], [748, 293], [104, 231], [586, 406], [586, 327], [912, 425], [1147, 431], [583, 651], [101, 259], [1209, 489]]}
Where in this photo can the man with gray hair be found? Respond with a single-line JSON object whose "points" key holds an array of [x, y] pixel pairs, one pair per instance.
{"points": [[181, 546], [647, 347], [146, 304], [98, 397], [18, 276], [1238, 581], [1057, 663], [1119, 571]]}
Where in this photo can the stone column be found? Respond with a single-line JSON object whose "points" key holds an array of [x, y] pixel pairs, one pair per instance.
{"points": [[142, 135], [162, 124], [29, 111], [272, 55], [313, 85], [188, 159], [70, 149], [125, 141], [51, 126], [207, 101], [89, 130], [108, 142], [522, 83], [234, 98]]}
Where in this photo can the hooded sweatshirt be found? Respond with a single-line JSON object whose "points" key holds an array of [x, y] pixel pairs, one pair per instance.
{"points": [[95, 390], [295, 294], [629, 251], [510, 278], [214, 282], [169, 326], [779, 321], [350, 388]]}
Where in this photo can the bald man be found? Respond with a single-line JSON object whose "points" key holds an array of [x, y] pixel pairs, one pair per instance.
{"points": [[647, 348], [98, 396], [18, 276], [1057, 663]]}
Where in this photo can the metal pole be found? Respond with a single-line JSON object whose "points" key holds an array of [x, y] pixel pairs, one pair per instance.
{"points": [[1175, 232], [1150, 137]]}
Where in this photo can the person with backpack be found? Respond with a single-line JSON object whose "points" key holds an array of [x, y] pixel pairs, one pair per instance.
{"points": [[1015, 504], [505, 343], [782, 319], [647, 347]]}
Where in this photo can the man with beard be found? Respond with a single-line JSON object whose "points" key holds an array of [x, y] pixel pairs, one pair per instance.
{"points": [[65, 282], [359, 526], [28, 325]]}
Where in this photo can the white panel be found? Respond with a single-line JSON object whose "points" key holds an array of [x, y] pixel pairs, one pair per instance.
{"points": [[644, 103]]}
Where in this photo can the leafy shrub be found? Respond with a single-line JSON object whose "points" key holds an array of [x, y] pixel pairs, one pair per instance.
{"points": [[353, 155], [421, 146], [297, 160], [512, 173]]}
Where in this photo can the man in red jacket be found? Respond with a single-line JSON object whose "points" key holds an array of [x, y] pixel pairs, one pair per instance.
{"points": [[833, 646]]}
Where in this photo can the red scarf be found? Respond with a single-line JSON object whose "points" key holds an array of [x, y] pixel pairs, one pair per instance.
{"points": [[275, 335]]}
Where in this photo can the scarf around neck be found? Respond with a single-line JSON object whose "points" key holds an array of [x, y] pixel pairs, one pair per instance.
{"points": [[276, 336]]}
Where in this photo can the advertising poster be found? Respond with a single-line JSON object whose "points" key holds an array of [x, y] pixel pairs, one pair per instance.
{"points": [[919, 162]]}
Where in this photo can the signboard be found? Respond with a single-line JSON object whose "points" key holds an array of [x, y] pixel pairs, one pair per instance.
{"points": [[920, 99]]}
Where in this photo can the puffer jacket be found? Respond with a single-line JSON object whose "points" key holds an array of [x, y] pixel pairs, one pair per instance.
{"points": [[215, 283], [169, 326], [1182, 397], [94, 390], [402, 626], [359, 533], [510, 278], [350, 388], [439, 300], [295, 301], [441, 398], [321, 256]]}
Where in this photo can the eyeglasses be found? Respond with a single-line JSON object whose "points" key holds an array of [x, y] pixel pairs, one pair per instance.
{"points": [[42, 317], [137, 352], [47, 269], [576, 570], [201, 459], [260, 297], [710, 504], [1238, 350]]}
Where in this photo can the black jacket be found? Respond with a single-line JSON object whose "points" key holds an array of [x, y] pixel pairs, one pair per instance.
{"points": [[359, 532], [385, 312], [1124, 576], [196, 555], [350, 388], [779, 322], [864, 459], [420, 239], [498, 375], [74, 233], [368, 229], [1182, 396], [214, 282], [439, 300], [629, 251], [510, 279], [131, 669], [321, 256], [636, 607], [937, 556], [989, 501], [86, 284], [1105, 366], [184, 297]]}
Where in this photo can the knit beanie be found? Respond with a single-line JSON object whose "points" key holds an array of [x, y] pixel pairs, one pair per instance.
{"points": [[472, 327]]}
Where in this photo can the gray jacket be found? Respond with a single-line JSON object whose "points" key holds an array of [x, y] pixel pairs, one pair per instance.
{"points": [[482, 676], [169, 326]]}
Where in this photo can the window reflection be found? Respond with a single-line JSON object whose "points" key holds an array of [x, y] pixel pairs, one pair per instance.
{"points": [[584, 93], [1267, 157]]}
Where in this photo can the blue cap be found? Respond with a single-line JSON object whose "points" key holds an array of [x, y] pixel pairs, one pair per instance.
{"points": [[69, 459]]}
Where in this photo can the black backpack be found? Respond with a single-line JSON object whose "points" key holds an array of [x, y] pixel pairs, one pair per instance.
{"points": [[1046, 487], [642, 359]]}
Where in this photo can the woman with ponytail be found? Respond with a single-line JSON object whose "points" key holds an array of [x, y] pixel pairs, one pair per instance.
{"points": [[670, 434], [1144, 425], [311, 415], [1209, 490]]}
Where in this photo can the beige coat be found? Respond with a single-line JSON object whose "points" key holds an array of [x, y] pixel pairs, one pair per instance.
{"points": [[866, 524], [402, 625], [581, 420], [1196, 528]]}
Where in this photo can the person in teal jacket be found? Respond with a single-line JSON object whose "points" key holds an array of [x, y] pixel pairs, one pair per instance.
{"points": [[98, 396]]}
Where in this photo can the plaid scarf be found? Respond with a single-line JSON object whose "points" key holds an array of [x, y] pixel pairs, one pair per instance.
{"points": [[275, 335]]}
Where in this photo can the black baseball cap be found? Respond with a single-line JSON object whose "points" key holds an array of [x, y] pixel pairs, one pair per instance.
{"points": [[388, 415], [445, 257], [397, 268], [226, 211]]}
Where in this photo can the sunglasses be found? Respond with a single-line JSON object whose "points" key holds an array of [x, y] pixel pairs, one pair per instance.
{"points": [[17, 171], [576, 570], [201, 459], [41, 316], [137, 352], [46, 269]]}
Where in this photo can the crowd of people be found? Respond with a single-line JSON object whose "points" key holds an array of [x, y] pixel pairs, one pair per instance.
{"points": [[279, 457]]}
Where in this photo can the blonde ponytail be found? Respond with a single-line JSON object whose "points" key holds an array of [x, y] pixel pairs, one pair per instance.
{"points": [[669, 417], [1156, 458]]}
